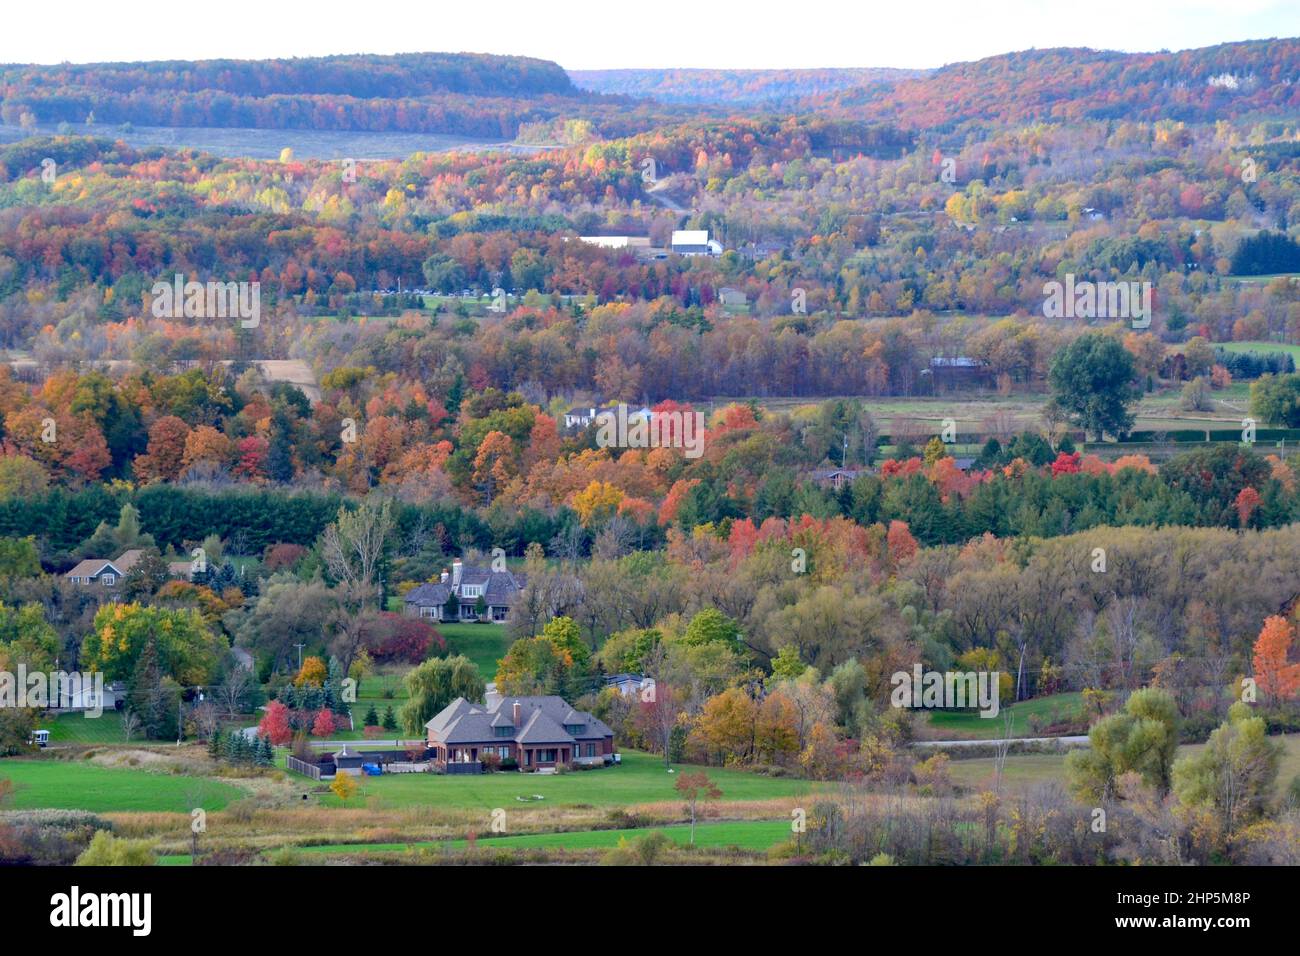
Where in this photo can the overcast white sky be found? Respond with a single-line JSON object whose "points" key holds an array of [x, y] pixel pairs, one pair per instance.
{"points": [[586, 34]]}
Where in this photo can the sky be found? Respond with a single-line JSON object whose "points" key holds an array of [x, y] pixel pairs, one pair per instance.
{"points": [[609, 34]]}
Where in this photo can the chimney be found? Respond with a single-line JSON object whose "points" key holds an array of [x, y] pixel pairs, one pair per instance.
{"points": [[445, 576], [456, 567], [515, 714]]}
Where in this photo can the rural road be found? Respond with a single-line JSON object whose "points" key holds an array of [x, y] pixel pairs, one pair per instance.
{"points": [[657, 193]]}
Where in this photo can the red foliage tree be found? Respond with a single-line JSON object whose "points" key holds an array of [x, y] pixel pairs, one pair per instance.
{"points": [[275, 724], [393, 637], [324, 724]]}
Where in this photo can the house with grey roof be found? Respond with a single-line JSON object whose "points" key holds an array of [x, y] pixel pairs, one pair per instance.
{"points": [[109, 573], [104, 572], [536, 733], [466, 593]]}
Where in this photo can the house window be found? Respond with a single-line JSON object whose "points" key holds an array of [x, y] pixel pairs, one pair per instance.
{"points": [[426, 611], [471, 590], [108, 580], [505, 731]]}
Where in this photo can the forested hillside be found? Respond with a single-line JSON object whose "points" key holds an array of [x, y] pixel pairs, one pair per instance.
{"points": [[1064, 85], [750, 87], [461, 93]]}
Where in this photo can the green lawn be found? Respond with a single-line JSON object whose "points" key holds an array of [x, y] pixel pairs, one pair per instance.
{"points": [[69, 785], [79, 729], [484, 644], [963, 724], [640, 779]]}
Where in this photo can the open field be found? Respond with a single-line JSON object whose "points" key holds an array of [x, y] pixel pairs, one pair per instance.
{"points": [[640, 779], [79, 729], [957, 725], [1026, 770], [484, 644], [972, 411], [78, 785]]}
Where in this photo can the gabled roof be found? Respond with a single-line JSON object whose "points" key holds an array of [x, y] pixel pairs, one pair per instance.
{"points": [[541, 728], [93, 567], [500, 587], [542, 720]]}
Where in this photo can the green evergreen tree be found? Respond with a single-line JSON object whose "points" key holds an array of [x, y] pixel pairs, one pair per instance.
{"points": [[215, 744]]}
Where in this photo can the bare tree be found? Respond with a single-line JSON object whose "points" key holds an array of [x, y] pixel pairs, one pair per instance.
{"points": [[354, 544], [232, 693], [130, 725]]}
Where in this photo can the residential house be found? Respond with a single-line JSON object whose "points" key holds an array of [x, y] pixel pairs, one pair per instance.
{"points": [[837, 478], [537, 733], [108, 574], [186, 570], [576, 419], [103, 572], [481, 594], [631, 684], [732, 298], [74, 693]]}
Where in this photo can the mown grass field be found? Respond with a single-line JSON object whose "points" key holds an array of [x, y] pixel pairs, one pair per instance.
{"points": [[79, 729], [78, 785], [640, 779], [484, 644], [958, 725]]}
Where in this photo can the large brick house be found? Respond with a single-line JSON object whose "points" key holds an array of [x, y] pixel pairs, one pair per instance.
{"points": [[482, 594], [535, 732]]}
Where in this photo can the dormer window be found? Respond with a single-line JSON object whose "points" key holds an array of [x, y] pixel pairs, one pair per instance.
{"points": [[574, 729], [108, 580], [471, 590], [506, 731]]}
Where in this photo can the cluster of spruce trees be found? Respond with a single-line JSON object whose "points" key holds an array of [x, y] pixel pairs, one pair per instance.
{"points": [[234, 747], [389, 721]]}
